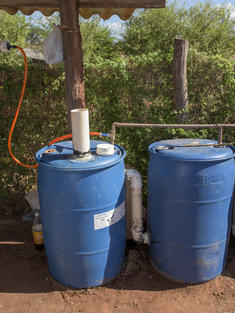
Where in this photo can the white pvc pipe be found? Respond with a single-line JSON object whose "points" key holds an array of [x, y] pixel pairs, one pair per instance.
{"points": [[136, 206], [80, 130]]}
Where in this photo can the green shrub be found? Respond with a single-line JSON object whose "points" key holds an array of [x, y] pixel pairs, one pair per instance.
{"points": [[129, 89]]}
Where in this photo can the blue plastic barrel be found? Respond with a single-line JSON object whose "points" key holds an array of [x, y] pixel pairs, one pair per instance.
{"points": [[189, 208], [82, 204]]}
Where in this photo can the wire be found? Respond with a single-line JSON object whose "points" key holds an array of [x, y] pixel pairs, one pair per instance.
{"points": [[18, 110]]}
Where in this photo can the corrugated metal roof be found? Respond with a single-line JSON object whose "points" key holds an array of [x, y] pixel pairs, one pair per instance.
{"points": [[105, 14]]}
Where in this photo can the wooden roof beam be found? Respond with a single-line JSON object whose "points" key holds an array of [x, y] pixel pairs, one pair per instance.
{"points": [[85, 3]]}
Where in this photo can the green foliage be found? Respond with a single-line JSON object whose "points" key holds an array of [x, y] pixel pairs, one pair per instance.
{"points": [[209, 28], [97, 41], [15, 30], [40, 26], [134, 87], [211, 88], [42, 117], [127, 89]]}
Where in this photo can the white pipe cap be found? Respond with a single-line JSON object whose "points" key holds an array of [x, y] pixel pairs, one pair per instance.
{"points": [[105, 149]]}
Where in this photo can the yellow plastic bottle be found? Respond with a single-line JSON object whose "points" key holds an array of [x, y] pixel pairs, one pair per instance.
{"points": [[37, 233]]}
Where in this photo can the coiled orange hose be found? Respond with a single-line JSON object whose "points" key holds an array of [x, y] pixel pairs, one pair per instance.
{"points": [[18, 110]]}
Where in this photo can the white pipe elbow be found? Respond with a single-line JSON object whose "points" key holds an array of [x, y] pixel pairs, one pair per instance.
{"points": [[136, 205], [135, 178]]}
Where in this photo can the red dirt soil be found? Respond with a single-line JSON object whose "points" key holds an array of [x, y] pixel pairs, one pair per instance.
{"points": [[27, 286]]}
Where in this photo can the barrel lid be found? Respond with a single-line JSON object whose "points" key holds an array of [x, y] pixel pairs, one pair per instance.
{"points": [[174, 149], [60, 156]]}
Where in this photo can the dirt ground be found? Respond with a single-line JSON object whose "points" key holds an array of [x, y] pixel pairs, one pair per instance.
{"points": [[27, 286]]}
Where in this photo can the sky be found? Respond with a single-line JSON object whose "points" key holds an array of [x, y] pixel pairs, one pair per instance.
{"points": [[116, 24]]}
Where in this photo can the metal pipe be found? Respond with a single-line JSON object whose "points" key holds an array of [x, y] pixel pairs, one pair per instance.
{"points": [[185, 126], [113, 133], [220, 137]]}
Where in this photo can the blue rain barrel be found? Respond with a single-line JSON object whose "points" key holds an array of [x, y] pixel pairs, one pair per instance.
{"points": [[189, 208], [82, 204]]}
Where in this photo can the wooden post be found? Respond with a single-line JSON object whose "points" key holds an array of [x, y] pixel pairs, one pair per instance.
{"points": [[72, 47], [180, 77]]}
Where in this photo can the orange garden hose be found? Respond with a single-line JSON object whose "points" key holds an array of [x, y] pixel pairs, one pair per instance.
{"points": [[60, 138], [70, 136], [17, 113]]}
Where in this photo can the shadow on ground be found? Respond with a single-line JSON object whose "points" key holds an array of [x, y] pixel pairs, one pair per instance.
{"points": [[25, 270]]}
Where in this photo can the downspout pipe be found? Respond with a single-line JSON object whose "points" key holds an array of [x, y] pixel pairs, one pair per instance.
{"points": [[80, 131], [136, 184]]}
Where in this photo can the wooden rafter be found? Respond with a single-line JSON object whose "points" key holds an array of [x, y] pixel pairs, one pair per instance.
{"points": [[85, 3]]}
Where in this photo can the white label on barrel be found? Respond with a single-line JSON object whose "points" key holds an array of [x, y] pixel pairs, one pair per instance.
{"points": [[109, 218]]}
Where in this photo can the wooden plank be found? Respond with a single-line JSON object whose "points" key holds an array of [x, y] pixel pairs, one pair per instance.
{"points": [[122, 3], [180, 77], [85, 3], [72, 47]]}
